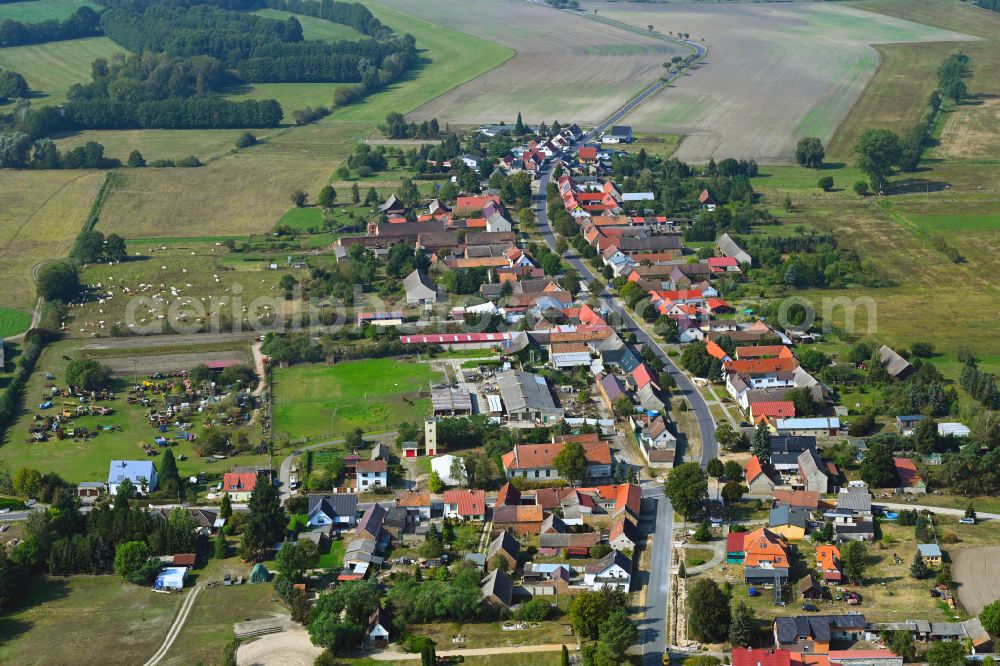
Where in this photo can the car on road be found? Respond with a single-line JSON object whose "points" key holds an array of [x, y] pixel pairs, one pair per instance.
{"points": [[6, 510], [809, 608], [966, 521]]}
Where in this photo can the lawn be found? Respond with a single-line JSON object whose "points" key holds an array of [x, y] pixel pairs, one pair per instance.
{"points": [[41, 212], [375, 395], [333, 558], [13, 321], [302, 218], [78, 461], [53, 67], [663, 145], [37, 11], [97, 619], [694, 556]]}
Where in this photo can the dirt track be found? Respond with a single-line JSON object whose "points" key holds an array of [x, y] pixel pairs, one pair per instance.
{"points": [[975, 569]]}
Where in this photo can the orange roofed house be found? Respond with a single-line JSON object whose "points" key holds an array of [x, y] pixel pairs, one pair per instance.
{"points": [[766, 558], [828, 563], [537, 461], [239, 485]]}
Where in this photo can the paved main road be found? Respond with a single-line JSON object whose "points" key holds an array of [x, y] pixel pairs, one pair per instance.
{"points": [[706, 424], [653, 629]]}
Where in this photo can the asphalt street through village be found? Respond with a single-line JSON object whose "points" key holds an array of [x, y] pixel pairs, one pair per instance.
{"points": [[653, 630]]}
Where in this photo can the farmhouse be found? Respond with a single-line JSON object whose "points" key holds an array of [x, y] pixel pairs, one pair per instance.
{"points": [[761, 478], [828, 426], [730, 248], [372, 473], [894, 364], [617, 134], [613, 570], [506, 547], [497, 591], [537, 461], [788, 522], [141, 473], [527, 399], [417, 505], [765, 549], [814, 633], [420, 289], [828, 563], [465, 504]]}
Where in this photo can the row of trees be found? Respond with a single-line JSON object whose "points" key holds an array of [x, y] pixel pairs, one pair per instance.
{"points": [[84, 22], [980, 385], [396, 127], [19, 151]]}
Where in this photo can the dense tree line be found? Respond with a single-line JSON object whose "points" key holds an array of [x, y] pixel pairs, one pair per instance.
{"points": [[84, 22], [980, 385], [992, 5], [260, 49], [18, 151], [396, 127], [810, 261], [353, 14]]}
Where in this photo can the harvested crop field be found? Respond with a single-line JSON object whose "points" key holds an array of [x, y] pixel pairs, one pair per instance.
{"points": [[975, 570], [564, 67], [41, 212], [773, 74]]}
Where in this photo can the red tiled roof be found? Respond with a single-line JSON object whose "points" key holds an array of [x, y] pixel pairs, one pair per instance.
{"points": [[734, 542], [469, 502], [373, 466], [752, 469], [763, 351], [761, 657], [716, 304], [508, 495], [716, 351], [906, 470], [777, 409], [722, 262], [629, 497], [414, 499], [532, 456], [801, 498], [642, 375], [239, 482], [762, 365]]}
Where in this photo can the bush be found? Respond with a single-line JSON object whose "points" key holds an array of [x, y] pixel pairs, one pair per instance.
{"points": [[922, 349], [246, 140], [860, 188], [862, 425], [535, 610], [417, 644], [825, 183], [88, 374]]}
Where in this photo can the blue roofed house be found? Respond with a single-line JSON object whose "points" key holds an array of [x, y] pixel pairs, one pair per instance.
{"points": [[142, 474]]}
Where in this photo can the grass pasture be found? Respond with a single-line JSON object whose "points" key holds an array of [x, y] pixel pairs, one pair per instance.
{"points": [[583, 71], [53, 67], [329, 400], [190, 268], [98, 619], [41, 212], [13, 321], [37, 11], [773, 74], [157, 144]]}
